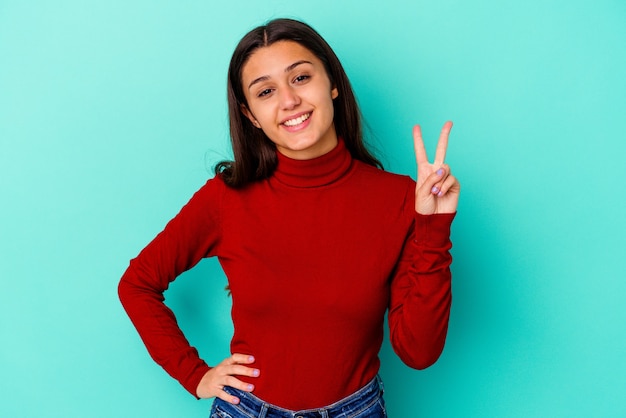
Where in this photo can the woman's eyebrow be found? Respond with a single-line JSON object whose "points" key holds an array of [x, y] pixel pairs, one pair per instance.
{"points": [[295, 64], [289, 68]]}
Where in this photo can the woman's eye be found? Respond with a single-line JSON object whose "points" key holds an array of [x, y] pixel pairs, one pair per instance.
{"points": [[265, 92], [301, 78]]}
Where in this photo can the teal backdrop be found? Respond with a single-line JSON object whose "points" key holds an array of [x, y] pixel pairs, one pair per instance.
{"points": [[112, 113]]}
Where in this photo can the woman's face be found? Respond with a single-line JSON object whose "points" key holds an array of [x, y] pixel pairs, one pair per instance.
{"points": [[290, 98]]}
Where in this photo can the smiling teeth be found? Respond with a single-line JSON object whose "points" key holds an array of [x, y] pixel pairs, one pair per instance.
{"points": [[297, 121]]}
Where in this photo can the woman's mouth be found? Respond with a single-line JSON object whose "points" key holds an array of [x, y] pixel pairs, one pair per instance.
{"points": [[297, 121]]}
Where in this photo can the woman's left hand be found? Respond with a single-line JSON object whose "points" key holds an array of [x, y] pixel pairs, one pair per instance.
{"points": [[437, 190]]}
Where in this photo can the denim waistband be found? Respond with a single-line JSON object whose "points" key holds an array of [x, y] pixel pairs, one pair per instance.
{"points": [[352, 405]]}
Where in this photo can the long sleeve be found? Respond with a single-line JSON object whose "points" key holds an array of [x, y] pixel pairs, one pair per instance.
{"points": [[421, 292], [187, 238]]}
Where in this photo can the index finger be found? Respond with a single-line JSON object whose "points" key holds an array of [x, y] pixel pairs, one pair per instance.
{"points": [[418, 144], [442, 145]]}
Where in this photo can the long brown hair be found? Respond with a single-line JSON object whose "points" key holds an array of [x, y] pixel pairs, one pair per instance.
{"points": [[254, 153]]}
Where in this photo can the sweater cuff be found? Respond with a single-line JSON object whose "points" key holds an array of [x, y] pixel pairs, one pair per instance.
{"points": [[433, 230], [194, 380]]}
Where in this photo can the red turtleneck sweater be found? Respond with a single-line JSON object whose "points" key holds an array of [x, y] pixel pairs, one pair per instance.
{"points": [[314, 256]]}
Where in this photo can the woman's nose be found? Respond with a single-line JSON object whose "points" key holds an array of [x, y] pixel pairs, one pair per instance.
{"points": [[289, 98]]}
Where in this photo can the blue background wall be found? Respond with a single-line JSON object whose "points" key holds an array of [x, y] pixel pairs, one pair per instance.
{"points": [[112, 113]]}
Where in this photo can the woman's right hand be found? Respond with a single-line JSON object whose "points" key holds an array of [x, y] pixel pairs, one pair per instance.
{"points": [[213, 381]]}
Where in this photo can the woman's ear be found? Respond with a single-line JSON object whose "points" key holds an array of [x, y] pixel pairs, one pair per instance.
{"points": [[334, 93], [250, 116]]}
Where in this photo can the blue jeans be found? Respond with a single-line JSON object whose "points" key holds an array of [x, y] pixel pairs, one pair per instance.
{"points": [[367, 402]]}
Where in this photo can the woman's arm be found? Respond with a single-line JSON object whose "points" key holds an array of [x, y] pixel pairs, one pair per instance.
{"points": [[186, 239], [421, 288], [421, 292]]}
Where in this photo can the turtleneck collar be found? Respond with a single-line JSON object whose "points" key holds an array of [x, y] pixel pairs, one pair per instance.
{"points": [[316, 172]]}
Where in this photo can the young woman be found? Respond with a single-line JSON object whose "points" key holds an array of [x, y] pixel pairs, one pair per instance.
{"points": [[317, 242]]}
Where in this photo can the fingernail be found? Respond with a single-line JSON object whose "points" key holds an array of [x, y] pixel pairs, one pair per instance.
{"points": [[250, 388], [440, 194], [434, 190], [440, 172], [235, 401], [255, 372], [251, 359]]}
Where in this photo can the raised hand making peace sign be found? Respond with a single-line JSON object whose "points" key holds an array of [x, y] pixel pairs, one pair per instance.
{"points": [[437, 190]]}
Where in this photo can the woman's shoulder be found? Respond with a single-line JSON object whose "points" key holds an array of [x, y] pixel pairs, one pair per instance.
{"points": [[385, 189], [211, 188], [382, 177], [209, 195]]}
